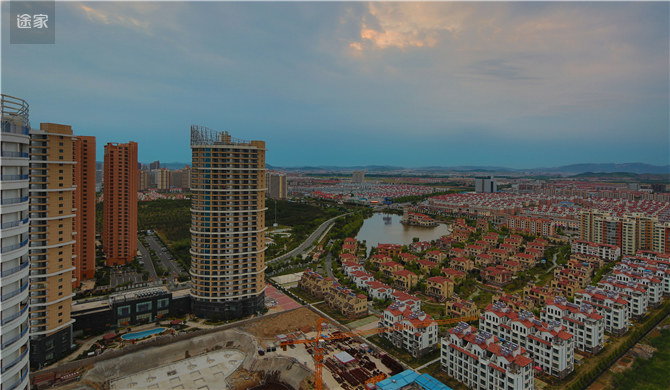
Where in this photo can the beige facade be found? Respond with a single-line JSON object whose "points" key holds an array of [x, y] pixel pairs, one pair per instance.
{"points": [[314, 284], [439, 287], [227, 224], [345, 301], [52, 238]]}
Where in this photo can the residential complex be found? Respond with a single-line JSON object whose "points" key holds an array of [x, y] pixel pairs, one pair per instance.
{"points": [[84, 203], [483, 361], [15, 261], [549, 344], [227, 225], [119, 218]]}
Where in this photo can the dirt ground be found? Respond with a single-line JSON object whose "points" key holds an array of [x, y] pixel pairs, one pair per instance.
{"points": [[283, 323]]}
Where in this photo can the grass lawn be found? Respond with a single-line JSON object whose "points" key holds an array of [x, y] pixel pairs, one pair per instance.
{"points": [[433, 308], [403, 355], [304, 295], [335, 314], [436, 372]]}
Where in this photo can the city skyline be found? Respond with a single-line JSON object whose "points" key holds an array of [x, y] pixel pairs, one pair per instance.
{"points": [[518, 85]]}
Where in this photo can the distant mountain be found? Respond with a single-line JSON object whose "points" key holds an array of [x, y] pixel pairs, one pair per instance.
{"points": [[609, 168], [565, 170]]}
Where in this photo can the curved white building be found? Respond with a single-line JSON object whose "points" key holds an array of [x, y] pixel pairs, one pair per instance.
{"points": [[14, 259]]}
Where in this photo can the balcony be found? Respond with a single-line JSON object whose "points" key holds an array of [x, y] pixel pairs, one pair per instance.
{"points": [[8, 201], [9, 225], [14, 270], [13, 177], [15, 315], [9, 248], [11, 153], [14, 339], [14, 293], [15, 361]]}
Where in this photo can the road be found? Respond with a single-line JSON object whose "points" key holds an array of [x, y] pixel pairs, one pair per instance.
{"points": [[148, 264], [329, 265], [164, 256], [309, 241]]}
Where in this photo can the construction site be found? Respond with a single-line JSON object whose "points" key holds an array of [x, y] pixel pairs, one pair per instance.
{"points": [[294, 349]]}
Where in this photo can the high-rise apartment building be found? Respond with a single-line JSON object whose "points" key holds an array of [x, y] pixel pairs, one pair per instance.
{"points": [[162, 179], [227, 225], [631, 232], [143, 180], [358, 176], [637, 233], [52, 241], [119, 226], [485, 185], [154, 165], [276, 183], [661, 242], [14, 262], [84, 200]]}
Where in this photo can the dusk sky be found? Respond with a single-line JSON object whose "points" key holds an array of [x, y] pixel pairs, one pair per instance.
{"points": [[519, 85]]}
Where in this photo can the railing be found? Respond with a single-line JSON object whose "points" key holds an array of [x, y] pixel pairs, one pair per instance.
{"points": [[14, 293], [15, 338], [15, 361], [11, 153], [14, 247], [12, 224], [13, 106], [15, 315], [14, 200], [14, 270], [13, 177], [21, 379]]}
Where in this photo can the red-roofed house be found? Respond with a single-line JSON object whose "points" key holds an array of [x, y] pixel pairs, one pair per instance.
{"points": [[462, 264], [404, 279]]}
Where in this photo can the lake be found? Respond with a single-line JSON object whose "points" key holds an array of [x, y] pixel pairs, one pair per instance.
{"points": [[387, 229]]}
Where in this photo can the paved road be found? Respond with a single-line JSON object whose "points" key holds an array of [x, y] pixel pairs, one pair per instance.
{"points": [[309, 241], [164, 256], [146, 258], [329, 265]]}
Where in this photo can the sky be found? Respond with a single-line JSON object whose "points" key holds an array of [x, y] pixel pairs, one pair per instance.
{"points": [[519, 85]]}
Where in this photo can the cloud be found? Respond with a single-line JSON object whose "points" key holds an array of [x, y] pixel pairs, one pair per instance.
{"points": [[111, 16], [403, 25]]}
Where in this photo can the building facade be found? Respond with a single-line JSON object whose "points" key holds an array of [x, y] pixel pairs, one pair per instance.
{"points": [[416, 331], [84, 202], [15, 260], [276, 183], [52, 241], [482, 361], [227, 225], [119, 218], [549, 344], [582, 321]]}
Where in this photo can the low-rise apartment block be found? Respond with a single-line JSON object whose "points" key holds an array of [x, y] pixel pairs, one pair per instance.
{"points": [[482, 361], [609, 304], [604, 251], [634, 293], [417, 332], [379, 290], [403, 298], [549, 344], [515, 302], [582, 321]]}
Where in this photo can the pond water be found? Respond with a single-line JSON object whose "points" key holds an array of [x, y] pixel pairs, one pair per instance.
{"points": [[387, 229]]}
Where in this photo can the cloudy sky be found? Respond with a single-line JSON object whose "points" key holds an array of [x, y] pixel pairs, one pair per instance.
{"points": [[411, 84]]}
